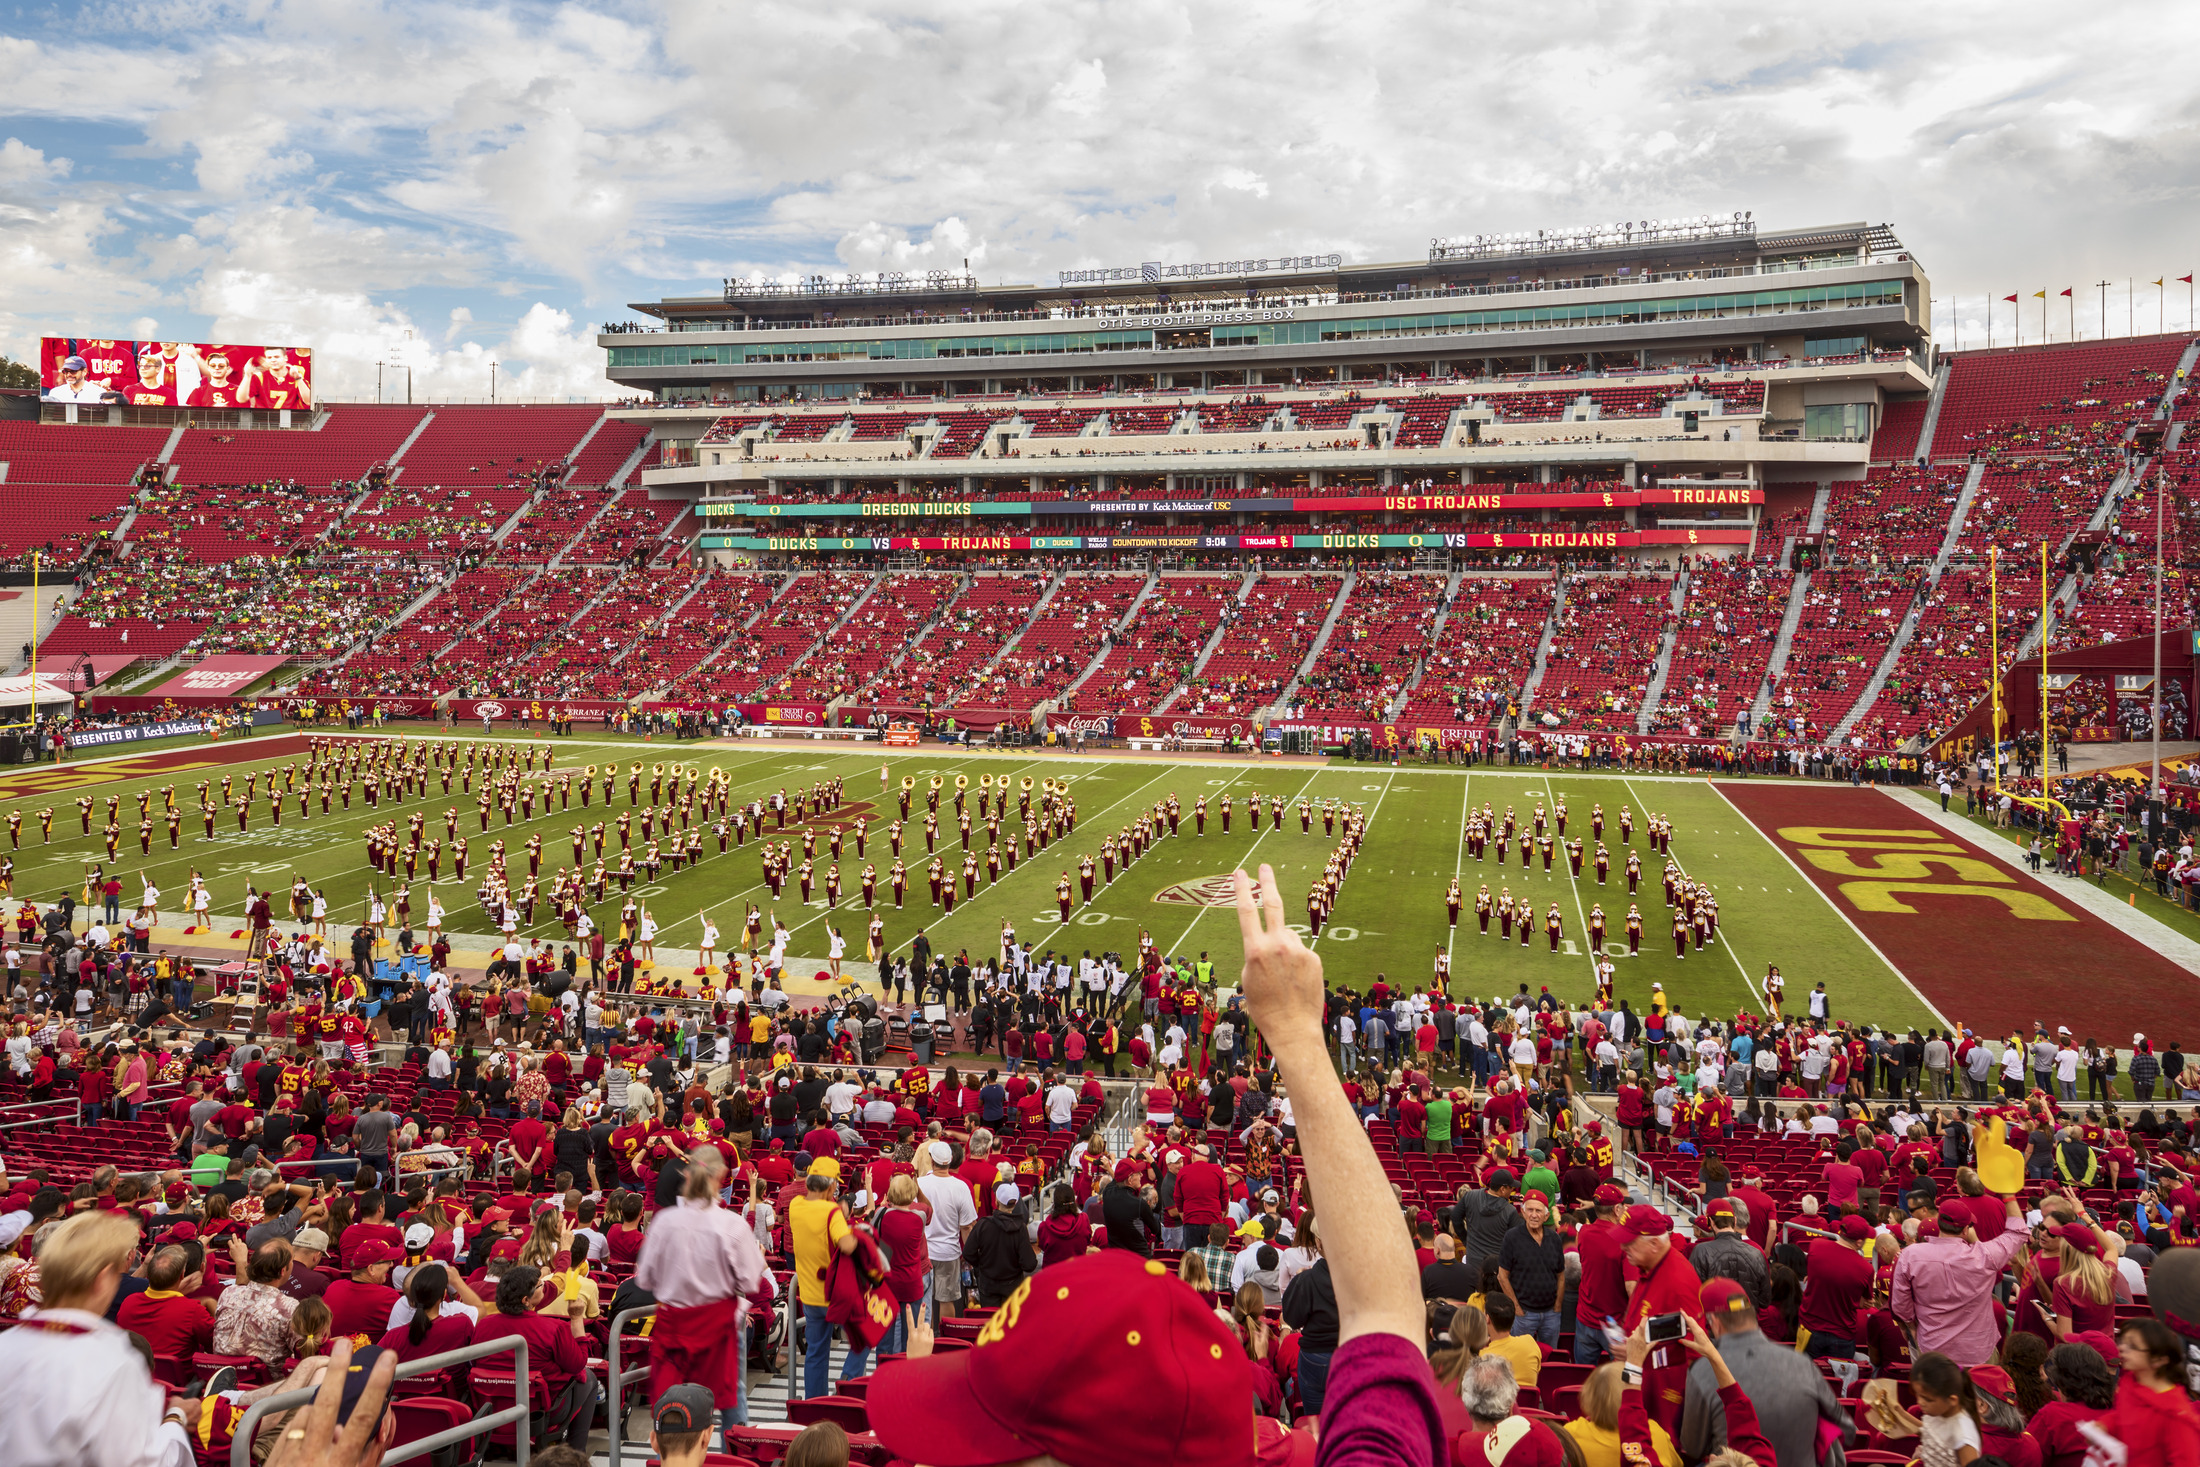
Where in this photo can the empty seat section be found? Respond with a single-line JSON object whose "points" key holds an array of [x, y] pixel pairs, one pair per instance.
{"points": [[1604, 650], [1069, 633], [1487, 649], [1267, 637], [1156, 652], [350, 441], [1380, 638], [494, 445]]}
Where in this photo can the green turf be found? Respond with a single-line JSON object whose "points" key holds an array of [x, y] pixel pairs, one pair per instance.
{"points": [[1390, 917]]}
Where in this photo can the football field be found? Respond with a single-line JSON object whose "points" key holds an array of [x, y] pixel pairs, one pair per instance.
{"points": [[1390, 918]]}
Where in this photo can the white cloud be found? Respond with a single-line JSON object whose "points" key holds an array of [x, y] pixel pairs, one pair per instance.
{"points": [[355, 171]]}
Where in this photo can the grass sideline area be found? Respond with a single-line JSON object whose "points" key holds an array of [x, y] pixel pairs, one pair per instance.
{"points": [[1390, 918]]}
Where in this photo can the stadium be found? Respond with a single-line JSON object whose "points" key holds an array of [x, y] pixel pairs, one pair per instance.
{"points": [[1663, 498], [1651, 617]]}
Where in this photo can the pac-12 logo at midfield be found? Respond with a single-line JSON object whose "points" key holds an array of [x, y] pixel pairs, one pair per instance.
{"points": [[1207, 891], [490, 709]]}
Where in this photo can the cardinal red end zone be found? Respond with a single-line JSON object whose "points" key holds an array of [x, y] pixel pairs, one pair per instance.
{"points": [[34, 780], [1990, 947]]}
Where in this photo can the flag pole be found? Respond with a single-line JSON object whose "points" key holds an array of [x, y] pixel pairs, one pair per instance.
{"points": [[2047, 725], [1993, 631], [2154, 783], [34, 644]]}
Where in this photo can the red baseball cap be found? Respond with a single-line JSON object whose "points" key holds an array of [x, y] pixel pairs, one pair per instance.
{"points": [[1857, 1227], [1720, 1296], [1643, 1221], [1119, 1326], [2081, 1237], [1609, 1196]]}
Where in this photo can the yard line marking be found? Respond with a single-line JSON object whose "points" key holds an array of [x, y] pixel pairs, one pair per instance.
{"points": [[1459, 863], [1246, 860], [1756, 995], [1033, 863], [1313, 941]]}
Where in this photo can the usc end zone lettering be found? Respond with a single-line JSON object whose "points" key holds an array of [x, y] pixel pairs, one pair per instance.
{"points": [[1982, 939], [1882, 865]]}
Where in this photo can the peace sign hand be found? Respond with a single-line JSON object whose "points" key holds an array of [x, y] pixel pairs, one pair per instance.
{"points": [[1283, 978]]}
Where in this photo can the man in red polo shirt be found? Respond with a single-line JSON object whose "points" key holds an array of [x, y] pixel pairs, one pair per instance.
{"points": [[361, 1304], [1836, 1290], [174, 1323], [1202, 1191], [1603, 1277], [1665, 1285], [1763, 1211]]}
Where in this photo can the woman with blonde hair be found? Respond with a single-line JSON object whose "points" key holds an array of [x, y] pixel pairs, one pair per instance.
{"points": [[1596, 1429], [2084, 1296], [1193, 1270], [1469, 1333]]}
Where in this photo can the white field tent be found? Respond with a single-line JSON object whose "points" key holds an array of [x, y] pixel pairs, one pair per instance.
{"points": [[15, 692]]}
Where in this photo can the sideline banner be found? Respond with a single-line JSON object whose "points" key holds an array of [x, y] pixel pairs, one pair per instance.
{"points": [[1554, 539], [88, 738], [1438, 500]]}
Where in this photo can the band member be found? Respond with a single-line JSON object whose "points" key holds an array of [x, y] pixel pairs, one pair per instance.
{"points": [[1085, 874], [1554, 926], [1482, 905], [1451, 902], [1443, 972], [1634, 931], [1596, 929], [1061, 895]]}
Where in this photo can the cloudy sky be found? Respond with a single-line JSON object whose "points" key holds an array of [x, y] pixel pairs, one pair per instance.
{"points": [[444, 184]]}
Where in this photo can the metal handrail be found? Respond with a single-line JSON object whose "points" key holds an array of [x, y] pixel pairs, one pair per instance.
{"points": [[615, 1381], [240, 1447]]}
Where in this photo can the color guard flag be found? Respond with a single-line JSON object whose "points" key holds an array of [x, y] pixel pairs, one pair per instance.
{"points": [[2010, 298], [2039, 295], [2066, 291]]}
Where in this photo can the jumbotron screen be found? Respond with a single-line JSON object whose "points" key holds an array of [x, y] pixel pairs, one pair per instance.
{"points": [[174, 373]]}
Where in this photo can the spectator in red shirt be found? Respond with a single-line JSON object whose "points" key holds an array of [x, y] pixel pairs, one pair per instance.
{"points": [[373, 1226], [1202, 1192], [530, 1140], [1836, 1288], [174, 1323], [1603, 1277], [1842, 1178], [361, 1304], [1667, 1286], [553, 1348]]}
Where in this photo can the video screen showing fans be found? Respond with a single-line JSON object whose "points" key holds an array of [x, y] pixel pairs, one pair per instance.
{"points": [[198, 374]]}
